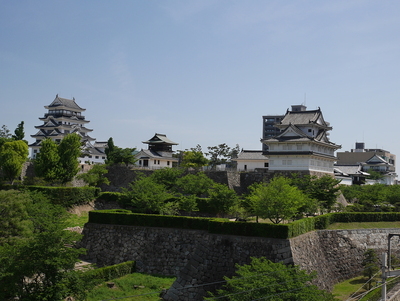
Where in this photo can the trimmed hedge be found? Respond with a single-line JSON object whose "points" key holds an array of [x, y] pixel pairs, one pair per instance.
{"points": [[100, 275], [224, 226]]}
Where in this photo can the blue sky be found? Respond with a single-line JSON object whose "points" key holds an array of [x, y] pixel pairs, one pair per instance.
{"points": [[204, 72]]}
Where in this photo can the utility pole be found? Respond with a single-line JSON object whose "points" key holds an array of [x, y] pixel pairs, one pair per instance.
{"points": [[386, 270], [384, 259]]}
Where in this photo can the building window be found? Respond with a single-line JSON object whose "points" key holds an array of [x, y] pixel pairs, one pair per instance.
{"points": [[299, 147], [283, 162], [168, 163], [289, 162], [245, 167], [97, 157], [155, 162], [35, 151], [284, 146], [140, 162], [265, 164], [289, 147], [90, 156], [158, 162], [103, 157]]}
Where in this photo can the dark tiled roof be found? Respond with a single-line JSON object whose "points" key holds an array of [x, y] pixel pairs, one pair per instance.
{"points": [[160, 139], [70, 103], [250, 155]]}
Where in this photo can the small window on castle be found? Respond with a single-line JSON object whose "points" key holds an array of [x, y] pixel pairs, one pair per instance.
{"points": [[155, 161], [158, 162], [97, 157], [168, 163]]}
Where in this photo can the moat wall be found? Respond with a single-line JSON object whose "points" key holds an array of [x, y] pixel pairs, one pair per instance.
{"points": [[197, 257]]}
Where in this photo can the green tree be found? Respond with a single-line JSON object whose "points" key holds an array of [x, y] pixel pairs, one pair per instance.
{"points": [[19, 133], [370, 264], [117, 155], [219, 154], [167, 177], [194, 159], [13, 155], [40, 264], [197, 184], [325, 190], [95, 176], [147, 196], [47, 162], [265, 280], [14, 222], [110, 151], [69, 151], [4, 132], [222, 199], [277, 200]]}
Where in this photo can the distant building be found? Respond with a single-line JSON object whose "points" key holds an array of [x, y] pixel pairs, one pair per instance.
{"points": [[302, 144], [250, 160], [362, 154], [269, 129], [65, 117], [159, 153]]}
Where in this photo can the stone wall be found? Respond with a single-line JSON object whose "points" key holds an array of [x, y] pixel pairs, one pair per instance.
{"points": [[197, 257]]}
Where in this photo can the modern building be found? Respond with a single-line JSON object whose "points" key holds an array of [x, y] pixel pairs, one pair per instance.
{"points": [[159, 153], [269, 129], [303, 143], [361, 154], [64, 116], [251, 160], [370, 159]]}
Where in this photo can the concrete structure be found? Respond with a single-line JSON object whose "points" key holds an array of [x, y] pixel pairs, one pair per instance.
{"points": [[269, 129], [303, 143], [159, 153], [64, 117], [250, 160]]}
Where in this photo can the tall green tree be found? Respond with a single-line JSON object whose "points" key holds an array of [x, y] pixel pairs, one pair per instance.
{"points": [[147, 196], [5, 132], [197, 184], [117, 155], [265, 280], [194, 159], [95, 176], [277, 200], [221, 154], [222, 199], [40, 264], [69, 151], [13, 155], [371, 265], [47, 162], [19, 133]]}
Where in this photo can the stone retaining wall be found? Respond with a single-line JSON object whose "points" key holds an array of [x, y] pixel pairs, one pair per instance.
{"points": [[197, 257]]}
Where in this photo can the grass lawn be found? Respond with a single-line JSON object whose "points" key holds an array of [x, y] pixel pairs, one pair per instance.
{"points": [[349, 226], [136, 286], [75, 220], [345, 289]]}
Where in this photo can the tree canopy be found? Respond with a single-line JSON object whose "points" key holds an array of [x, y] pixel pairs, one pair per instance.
{"points": [[265, 280], [117, 155], [13, 155], [278, 200], [36, 262]]}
